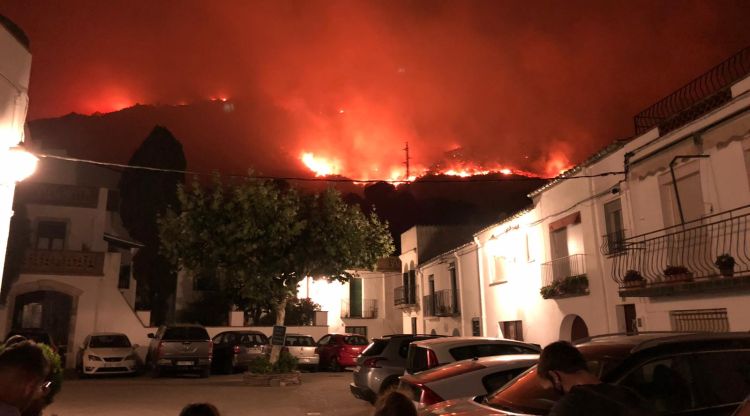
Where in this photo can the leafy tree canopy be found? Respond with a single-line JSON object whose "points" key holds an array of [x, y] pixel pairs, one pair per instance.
{"points": [[259, 239]]}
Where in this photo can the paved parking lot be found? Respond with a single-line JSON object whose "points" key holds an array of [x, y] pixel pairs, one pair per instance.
{"points": [[321, 394]]}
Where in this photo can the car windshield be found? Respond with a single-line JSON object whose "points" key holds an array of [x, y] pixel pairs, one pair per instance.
{"points": [[187, 333], [355, 340], [299, 341], [526, 394], [109, 341]]}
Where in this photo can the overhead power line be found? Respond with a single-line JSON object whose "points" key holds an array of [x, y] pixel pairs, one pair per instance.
{"points": [[427, 179]]}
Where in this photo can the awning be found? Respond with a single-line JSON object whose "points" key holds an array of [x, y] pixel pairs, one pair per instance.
{"points": [[121, 242]]}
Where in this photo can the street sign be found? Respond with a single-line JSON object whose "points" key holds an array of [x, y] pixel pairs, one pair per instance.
{"points": [[278, 335]]}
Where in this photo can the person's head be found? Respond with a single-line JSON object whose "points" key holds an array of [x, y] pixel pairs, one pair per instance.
{"points": [[561, 366], [394, 403], [23, 374], [200, 409]]}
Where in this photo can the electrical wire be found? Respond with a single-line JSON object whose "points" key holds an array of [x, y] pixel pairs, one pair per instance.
{"points": [[424, 179]]}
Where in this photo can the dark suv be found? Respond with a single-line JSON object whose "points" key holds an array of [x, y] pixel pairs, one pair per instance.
{"points": [[381, 364], [678, 374]]}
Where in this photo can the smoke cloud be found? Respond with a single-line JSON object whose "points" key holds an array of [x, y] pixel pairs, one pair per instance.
{"points": [[528, 85]]}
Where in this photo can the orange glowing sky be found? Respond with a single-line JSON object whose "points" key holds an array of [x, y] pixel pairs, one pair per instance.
{"points": [[472, 86]]}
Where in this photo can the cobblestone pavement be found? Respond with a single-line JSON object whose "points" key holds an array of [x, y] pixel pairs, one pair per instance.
{"points": [[320, 394]]}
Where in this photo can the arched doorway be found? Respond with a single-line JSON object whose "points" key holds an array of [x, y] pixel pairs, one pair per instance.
{"points": [[49, 310], [573, 327]]}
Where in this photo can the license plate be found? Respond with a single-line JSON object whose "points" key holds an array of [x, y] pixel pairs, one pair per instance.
{"points": [[184, 363]]}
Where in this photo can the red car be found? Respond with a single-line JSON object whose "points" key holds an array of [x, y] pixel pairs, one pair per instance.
{"points": [[337, 351]]}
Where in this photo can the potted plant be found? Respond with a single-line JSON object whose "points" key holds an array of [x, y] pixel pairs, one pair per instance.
{"points": [[633, 278], [725, 263], [674, 274], [549, 291], [577, 284]]}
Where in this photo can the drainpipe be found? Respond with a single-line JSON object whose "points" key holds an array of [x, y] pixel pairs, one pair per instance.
{"points": [[674, 181], [459, 287], [482, 302]]}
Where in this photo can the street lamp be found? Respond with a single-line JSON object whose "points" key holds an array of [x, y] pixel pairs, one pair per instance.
{"points": [[16, 164]]}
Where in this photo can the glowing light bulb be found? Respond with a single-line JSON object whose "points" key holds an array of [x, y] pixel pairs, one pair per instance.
{"points": [[17, 165]]}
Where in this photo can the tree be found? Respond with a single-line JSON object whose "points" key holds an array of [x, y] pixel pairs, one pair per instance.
{"points": [[259, 239], [145, 195]]}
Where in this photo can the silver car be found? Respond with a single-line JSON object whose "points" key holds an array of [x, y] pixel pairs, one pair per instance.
{"points": [[381, 364], [303, 347]]}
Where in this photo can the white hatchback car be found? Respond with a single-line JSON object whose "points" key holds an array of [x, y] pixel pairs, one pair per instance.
{"points": [[107, 353], [435, 352], [465, 378]]}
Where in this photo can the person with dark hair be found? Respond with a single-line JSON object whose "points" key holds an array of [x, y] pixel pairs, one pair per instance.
{"points": [[394, 403], [563, 368], [23, 377], [200, 409]]}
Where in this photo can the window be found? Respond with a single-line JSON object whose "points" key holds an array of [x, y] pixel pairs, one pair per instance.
{"points": [[691, 195], [123, 282], [499, 269], [486, 350], [325, 340], [711, 320], [476, 329], [361, 330], [454, 288], [512, 330], [50, 235], [693, 381], [493, 382], [527, 246], [613, 225], [410, 287], [414, 325]]}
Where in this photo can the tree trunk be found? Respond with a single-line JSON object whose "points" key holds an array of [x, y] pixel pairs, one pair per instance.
{"points": [[280, 315]]}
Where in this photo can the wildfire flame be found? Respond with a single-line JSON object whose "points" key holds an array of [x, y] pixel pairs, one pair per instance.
{"points": [[319, 165]]}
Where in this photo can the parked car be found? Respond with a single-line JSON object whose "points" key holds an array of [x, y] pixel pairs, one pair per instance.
{"points": [[381, 364], [106, 353], [234, 350], [180, 348], [472, 377], [696, 374], [337, 351], [431, 353], [304, 348]]}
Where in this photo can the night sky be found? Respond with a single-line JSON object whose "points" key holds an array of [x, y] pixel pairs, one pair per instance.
{"points": [[535, 85]]}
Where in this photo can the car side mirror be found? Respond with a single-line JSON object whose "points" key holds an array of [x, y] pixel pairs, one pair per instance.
{"points": [[151, 335], [83, 346]]}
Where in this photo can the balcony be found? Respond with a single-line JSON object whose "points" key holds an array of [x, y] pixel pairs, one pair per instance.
{"points": [[613, 243], [686, 259], [405, 296], [441, 303], [565, 277], [58, 195], [698, 97], [68, 263], [368, 309]]}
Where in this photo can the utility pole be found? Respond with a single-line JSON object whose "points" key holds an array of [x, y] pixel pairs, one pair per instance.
{"points": [[406, 149]]}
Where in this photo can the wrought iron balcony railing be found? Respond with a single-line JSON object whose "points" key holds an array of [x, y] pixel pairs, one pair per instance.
{"points": [[613, 243], [405, 296], [442, 303], [565, 277], [368, 309], [71, 263], [708, 91], [703, 255]]}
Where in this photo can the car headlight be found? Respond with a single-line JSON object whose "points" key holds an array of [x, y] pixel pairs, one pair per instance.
{"points": [[93, 358], [131, 357]]}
